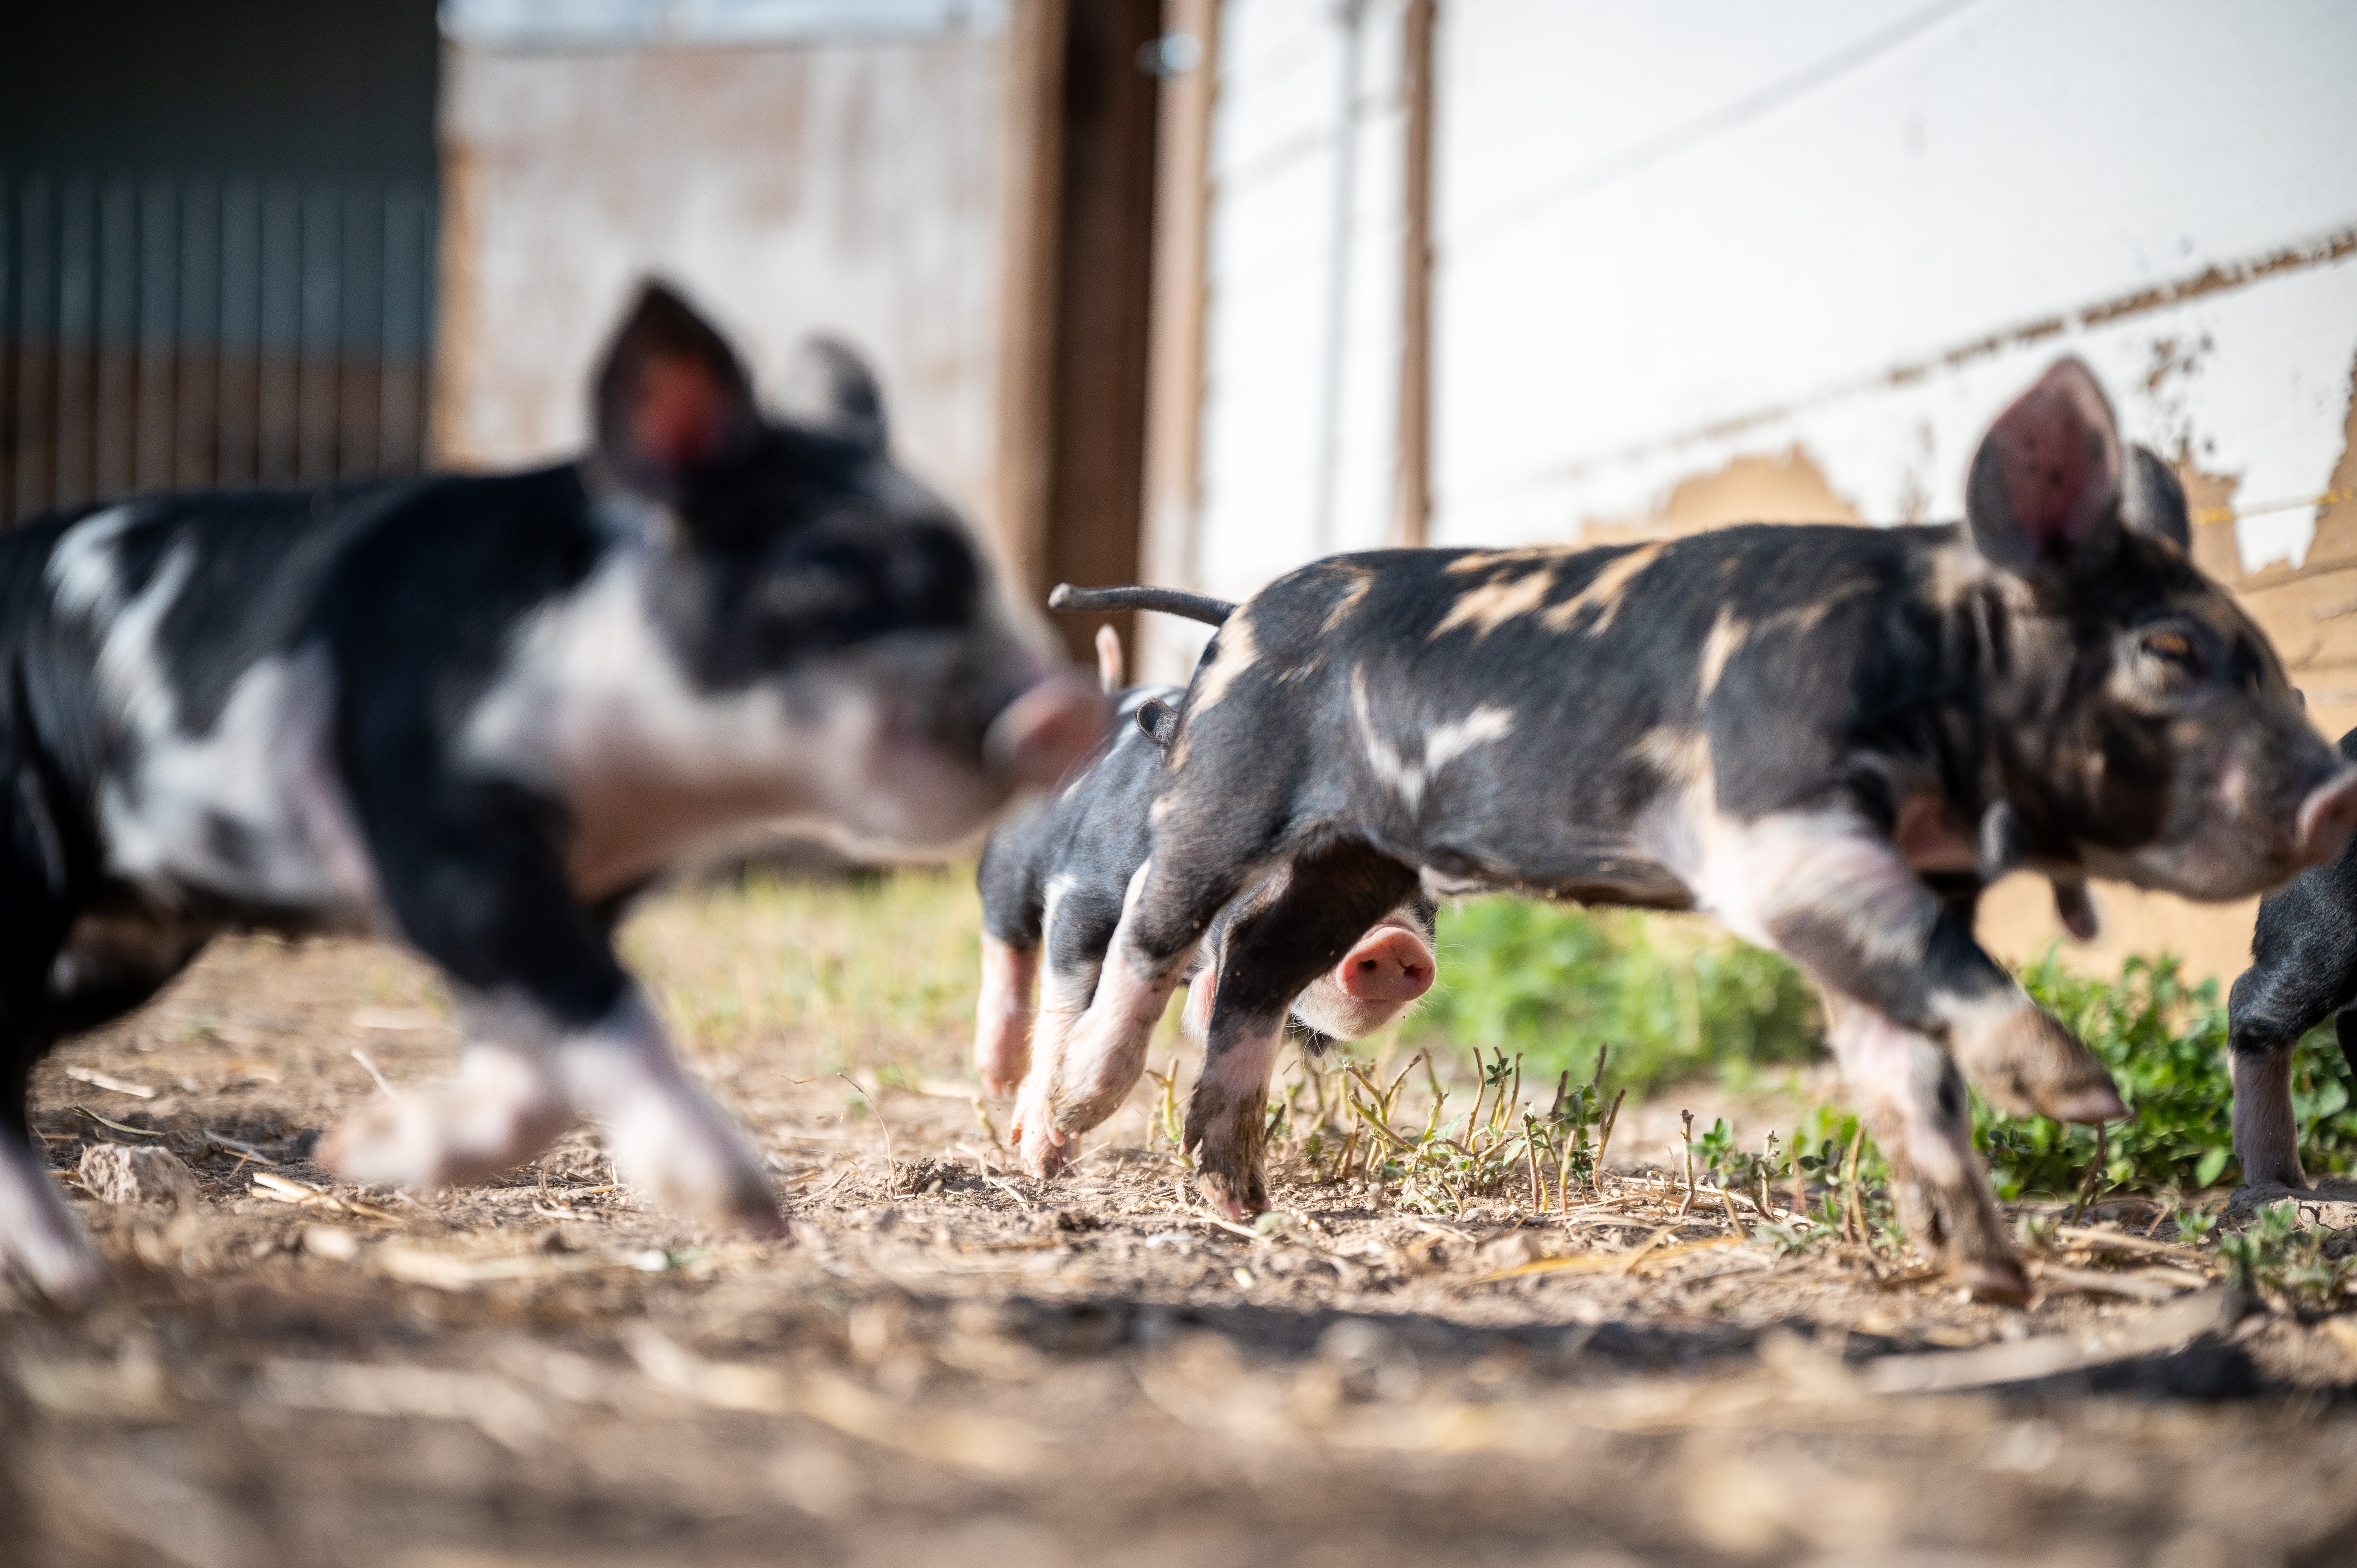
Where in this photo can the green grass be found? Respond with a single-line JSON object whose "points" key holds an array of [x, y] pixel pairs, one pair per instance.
{"points": [[878, 972], [1672, 997], [2165, 1041]]}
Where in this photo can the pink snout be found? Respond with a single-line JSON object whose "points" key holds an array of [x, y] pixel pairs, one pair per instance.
{"points": [[2327, 817], [1391, 964], [1046, 731]]}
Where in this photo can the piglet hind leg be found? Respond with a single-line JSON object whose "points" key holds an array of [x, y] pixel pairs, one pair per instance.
{"points": [[1098, 1053], [1328, 901], [1075, 933], [668, 1139], [1002, 1026], [1913, 1098]]}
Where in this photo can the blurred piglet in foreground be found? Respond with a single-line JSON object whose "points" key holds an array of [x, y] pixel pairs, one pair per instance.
{"points": [[478, 714], [1054, 878], [1831, 738]]}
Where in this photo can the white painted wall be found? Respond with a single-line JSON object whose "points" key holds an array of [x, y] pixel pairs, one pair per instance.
{"points": [[1271, 270], [1668, 236], [842, 186]]}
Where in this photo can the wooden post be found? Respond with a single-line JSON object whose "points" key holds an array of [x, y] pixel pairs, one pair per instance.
{"points": [[1416, 281], [1083, 103], [1034, 199], [1174, 406]]}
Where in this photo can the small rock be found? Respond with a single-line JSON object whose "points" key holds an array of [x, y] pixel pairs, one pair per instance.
{"points": [[332, 1242], [118, 1173], [1515, 1247]]}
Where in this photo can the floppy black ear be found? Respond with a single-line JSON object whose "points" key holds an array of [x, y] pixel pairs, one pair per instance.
{"points": [[1160, 720], [831, 387], [671, 396], [2153, 502], [2044, 492]]}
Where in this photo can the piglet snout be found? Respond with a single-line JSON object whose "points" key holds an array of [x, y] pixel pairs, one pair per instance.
{"points": [[1044, 733], [1389, 964], [2327, 817]]}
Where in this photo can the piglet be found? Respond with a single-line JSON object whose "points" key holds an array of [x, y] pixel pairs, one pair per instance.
{"points": [[477, 715], [1829, 737], [1054, 878]]}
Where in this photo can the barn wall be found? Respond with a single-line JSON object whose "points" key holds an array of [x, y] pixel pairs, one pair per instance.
{"points": [[845, 186], [1268, 352], [1717, 261]]}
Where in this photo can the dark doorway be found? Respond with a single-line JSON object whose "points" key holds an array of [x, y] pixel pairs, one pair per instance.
{"points": [[217, 240]]}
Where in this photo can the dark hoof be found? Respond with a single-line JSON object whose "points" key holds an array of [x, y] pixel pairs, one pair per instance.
{"points": [[2001, 1283], [1238, 1201]]}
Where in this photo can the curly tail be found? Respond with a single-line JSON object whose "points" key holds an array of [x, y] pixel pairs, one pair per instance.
{"points": [[1169, 601]]}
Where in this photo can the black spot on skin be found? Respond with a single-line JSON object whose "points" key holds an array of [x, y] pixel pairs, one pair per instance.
{"points": [[231, 842]]}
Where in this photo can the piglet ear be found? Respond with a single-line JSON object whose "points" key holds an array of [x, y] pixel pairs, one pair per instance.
{"points": [[2153, 502], [2044, 492], [671, 397], [1160, 720], [831, 387]]}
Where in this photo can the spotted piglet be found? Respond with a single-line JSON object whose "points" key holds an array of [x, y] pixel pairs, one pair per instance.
{"points": [[1054, 876], [1829, 737], [478, 714]]}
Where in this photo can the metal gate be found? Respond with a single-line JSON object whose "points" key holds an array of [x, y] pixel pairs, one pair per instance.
{"points": [[189, 332]]}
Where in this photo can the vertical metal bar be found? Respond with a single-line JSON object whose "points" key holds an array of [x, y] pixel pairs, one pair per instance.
{"points": [[77, 321], [362, 334], [1415, 476], [407, 330], [12, 274], [321, 313], [421, 421], [197, 396], [159, 332], [116, 338], [37, 361], [280, 335], [1327, 482], [241, 333]]}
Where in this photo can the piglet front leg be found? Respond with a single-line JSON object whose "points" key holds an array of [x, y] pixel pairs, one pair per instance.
{"points": [[1913, 1099]]}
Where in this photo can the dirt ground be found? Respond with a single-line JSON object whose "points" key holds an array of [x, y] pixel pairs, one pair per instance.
{"points": [[949, 1363]]}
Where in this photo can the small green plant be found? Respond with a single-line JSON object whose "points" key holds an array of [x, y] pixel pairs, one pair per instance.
{"points": [[2164, 1043], [2273, 1255], [1672, 997], [1791, 1240], [1854, 1193]]}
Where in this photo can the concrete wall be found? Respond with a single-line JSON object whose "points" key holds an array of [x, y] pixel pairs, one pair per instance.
{"points": [[850, 186], [1716, 261]]}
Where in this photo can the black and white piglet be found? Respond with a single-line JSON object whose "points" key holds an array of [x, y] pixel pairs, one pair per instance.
{"points": [[477, 714], [2303, 971], [1054, 878], [1828, 737]]}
